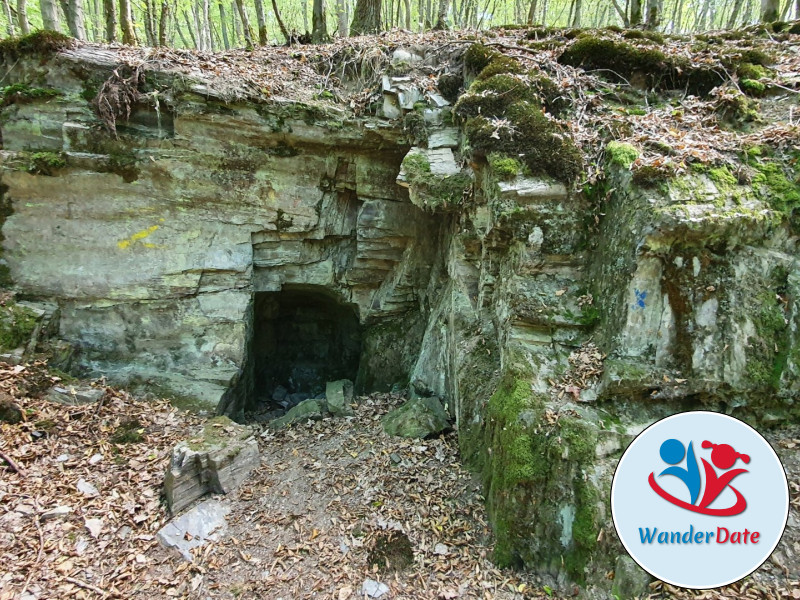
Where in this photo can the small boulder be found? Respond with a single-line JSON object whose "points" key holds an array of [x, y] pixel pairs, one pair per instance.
{"points": [[307, 409], [9, 411], [417, 418], [279, 394], [217, 461], [339, 396], [630, 580]]}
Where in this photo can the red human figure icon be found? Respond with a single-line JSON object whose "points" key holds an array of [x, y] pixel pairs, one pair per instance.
{"points": [[724, 457]]}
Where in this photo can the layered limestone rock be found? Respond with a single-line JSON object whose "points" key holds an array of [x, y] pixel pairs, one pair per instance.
{"points": [[554, 325]]}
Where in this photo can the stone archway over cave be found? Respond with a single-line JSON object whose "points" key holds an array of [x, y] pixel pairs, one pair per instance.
{"points": [[301, 339]]}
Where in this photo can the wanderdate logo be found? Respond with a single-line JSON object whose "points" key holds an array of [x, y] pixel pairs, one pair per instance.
{"points": [[699, 499]]}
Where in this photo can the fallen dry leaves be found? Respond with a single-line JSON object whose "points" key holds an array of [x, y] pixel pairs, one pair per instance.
{"points": [[80, 517]]}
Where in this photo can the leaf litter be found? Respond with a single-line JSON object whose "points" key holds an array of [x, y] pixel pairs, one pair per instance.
{"points": [[335, 504]]}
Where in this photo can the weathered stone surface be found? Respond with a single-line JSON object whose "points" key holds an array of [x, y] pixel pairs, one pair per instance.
{"points": [[417, 418], [217, 461], [307, 409], [630, 581], [153, 247], [74, 395], [203, 523], [339, 397]]}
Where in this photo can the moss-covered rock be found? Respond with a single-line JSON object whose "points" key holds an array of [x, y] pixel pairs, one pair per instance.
{"points": [[543, 506], [39, 42], [542, 144], [418, 418], [658, 70], [621, 153], [16, 325]]}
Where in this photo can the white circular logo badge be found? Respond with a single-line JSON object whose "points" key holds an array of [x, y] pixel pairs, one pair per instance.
{"points": [[699, 500]]}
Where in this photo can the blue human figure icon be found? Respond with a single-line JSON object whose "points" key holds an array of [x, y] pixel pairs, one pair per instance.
{"points": [[672, 452]]}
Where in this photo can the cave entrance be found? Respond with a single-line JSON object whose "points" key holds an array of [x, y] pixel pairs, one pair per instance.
{"points": [[301, 340]]}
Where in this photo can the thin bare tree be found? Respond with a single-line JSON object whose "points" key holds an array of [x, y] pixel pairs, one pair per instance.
{"points": [[262, 22], [247, 30], [22, 17], [49, 10]]}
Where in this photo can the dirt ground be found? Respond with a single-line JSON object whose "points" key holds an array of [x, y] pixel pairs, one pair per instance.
{"points": [[334, 503]]}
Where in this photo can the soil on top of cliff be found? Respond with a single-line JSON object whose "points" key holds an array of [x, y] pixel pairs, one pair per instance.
{"points": [[680, 100]]}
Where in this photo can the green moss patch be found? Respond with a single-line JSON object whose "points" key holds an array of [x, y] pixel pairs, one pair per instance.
{"points": [[621, 154], [505, 168], [39, 42], [614, 59], [433, 191], [16, 326], [21, 93], [523, 130], [46, 163], [536, 487]]}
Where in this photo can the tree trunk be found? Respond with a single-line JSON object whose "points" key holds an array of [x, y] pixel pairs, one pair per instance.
{"points": [[636, 13], [769, 10], [366, 18], [22, 17], [576, 18], [441, 16], [247, 30], [198, 36], [531, 13], [209, 43], [654, 8], [192, 30], [407, 6], [262, 22], [281, 24], [49, 10], [109, 16], [75, 19], [149, 22], [734, 16], [163, 24], [9, 18], [223, 25], [236, 25], [304, 11], [319, 30], [126, 23], [341, 17]]}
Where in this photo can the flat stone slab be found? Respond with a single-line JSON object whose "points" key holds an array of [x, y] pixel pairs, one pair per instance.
{"points": [[339, 396], [203, 523], [74, 395]]}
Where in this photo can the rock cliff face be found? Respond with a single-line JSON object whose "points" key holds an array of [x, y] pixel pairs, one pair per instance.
{"points": [[554, 324]]}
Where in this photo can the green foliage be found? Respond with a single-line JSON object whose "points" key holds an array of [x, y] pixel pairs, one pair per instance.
{"points": [[504, 167], [621, 153], [16, 325], [128, 432], [45, 163], [39, 42]]}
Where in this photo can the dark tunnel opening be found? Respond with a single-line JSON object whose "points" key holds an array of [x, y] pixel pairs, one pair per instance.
{"points": [[301, 339]]}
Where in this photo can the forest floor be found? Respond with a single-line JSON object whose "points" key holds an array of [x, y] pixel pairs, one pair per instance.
{"points": [[334, 503]]}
